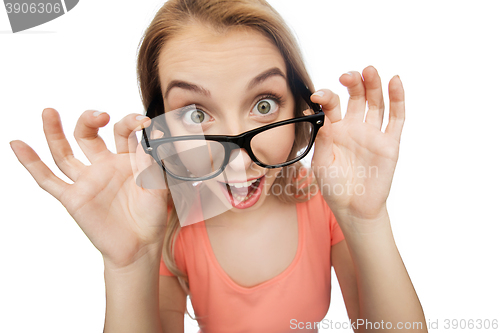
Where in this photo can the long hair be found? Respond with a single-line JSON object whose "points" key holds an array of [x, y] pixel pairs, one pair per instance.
{"points": [[221, 15]]}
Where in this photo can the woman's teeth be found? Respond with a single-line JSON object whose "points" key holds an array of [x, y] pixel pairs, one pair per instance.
{"points": [[245, 184], [241, 192]]}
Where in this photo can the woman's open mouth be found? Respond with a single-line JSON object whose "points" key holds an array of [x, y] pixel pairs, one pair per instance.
{"points": [[242, 195]]}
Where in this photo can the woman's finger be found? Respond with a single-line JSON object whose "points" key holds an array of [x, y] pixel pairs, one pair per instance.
{"points": [[59, 145], [329, 102], [396, 108], [38, 170], [374, 97], [147, 173], [125, 129], [86, 134], [357, 99]]}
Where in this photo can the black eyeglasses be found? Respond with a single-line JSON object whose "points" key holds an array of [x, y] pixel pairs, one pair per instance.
{"points": [[202, 157]]}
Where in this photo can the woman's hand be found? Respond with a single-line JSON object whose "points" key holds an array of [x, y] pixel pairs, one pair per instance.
{"points": [[121, 219], [354, 160]]}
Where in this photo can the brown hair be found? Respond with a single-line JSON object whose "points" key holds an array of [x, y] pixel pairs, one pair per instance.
{"points": [[220, 15]]}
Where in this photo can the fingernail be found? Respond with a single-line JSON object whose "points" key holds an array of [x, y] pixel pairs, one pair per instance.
{"points": [[97, 113], [319, 93], [139, 118], [350, 73]]}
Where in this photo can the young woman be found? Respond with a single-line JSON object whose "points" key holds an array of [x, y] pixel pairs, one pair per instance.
{"points": [[223, 69]]}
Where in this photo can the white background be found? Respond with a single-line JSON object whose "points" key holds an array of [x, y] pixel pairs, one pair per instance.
{"points": [[444, 195]]}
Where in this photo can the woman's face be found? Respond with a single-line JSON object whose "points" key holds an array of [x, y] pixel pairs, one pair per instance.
{"points": [[237, 80]]}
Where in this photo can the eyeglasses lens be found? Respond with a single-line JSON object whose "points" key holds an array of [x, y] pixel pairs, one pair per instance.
{"points": [[283, 143], [191, 158]]}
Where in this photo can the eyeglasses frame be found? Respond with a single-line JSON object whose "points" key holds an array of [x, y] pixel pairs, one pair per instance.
{"points": [[240, 141]]}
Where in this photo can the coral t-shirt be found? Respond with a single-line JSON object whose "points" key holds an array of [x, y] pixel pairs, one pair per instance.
{"points": [[301, 293]]}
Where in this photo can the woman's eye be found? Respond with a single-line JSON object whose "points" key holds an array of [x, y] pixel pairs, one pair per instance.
{"points": [[195, 117], [265, 107]]}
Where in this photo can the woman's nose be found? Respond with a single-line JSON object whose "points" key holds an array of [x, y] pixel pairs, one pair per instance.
{"points": [[239, 162]]}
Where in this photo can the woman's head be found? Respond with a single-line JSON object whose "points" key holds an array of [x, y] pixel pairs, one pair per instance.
{"points": [[240, 29], [225, 84]]}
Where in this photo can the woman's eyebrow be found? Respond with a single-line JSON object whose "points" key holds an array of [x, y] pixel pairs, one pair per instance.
{"points": [[265, 75], [185, 85], [275, 71]]}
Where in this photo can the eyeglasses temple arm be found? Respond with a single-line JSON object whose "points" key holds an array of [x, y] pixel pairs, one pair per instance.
{"points": [[145, 137], [156, 102], [306, 95]]}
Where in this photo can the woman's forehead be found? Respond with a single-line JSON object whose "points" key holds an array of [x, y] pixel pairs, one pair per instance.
{"points": [[201, 54]]}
